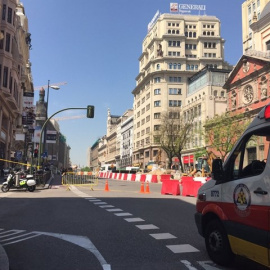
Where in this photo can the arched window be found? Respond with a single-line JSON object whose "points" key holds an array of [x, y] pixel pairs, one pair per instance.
{"points": [[174, 66], [170, 65], [179, 66], [158, 66]]}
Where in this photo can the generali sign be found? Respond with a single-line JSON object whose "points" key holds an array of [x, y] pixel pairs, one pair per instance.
{"points": [[186, 8]]}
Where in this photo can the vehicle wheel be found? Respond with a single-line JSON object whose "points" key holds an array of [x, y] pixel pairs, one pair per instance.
{"points": [[5, 188], [217, 243], [31, 188]]}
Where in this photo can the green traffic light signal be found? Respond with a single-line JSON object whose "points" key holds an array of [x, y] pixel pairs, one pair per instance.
{"points": [[90, 111]]}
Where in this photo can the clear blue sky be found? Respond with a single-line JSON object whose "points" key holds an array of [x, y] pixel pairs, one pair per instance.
{"points": [[94, 46]]}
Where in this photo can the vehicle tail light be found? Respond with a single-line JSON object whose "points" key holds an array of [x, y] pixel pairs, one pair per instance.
{"points": [[267, 112]]}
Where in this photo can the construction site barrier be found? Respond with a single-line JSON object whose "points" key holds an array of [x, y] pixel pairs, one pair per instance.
{"points": [[170, 187], [134, 177], [190, 186], [78, 179]]}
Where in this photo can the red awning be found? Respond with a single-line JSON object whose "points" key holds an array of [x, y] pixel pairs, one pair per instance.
{"points": [[186, 159]]}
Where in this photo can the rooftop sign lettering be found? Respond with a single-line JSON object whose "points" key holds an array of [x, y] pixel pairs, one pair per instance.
{"points": [[151, 24], [186, 8]]}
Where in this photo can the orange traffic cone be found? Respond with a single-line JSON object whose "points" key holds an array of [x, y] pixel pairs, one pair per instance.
{"points": [[106, 186], [142, 188], [147, 190]]}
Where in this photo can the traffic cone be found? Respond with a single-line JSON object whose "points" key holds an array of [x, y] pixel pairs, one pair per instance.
{"points": [[142, 188], [147, 190], [106, 186]]}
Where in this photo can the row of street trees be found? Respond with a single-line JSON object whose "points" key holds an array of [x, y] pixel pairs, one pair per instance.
{"points": [[219, 134]]}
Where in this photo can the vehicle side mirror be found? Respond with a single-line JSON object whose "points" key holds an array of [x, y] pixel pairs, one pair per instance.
{"points": [[217, 170]]}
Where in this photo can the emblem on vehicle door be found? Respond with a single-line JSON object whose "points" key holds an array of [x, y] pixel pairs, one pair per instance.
{"points": [[242, 199]]}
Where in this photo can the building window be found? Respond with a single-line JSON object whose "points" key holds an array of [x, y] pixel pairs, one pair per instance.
{"points": [[157, 91], [148, 118], [174, 79], [157, 80], [268, 45], [158, 67], [5, 77], [175, 91], [174, 115], [4, 11], [9, 15], [156, 115], [147, 154], [156, 127], [174, 103], [157, 103], [173, 43], [7, 47]]}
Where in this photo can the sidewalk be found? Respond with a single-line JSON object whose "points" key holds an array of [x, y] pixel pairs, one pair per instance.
{"points": [[4, 262]]}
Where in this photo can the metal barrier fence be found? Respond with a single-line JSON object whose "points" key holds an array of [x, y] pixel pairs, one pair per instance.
{"points": [[78, 179], [42, 177]]}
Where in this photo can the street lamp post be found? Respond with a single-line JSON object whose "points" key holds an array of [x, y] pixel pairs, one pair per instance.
{"points": [[25, 131], [55, 87]]}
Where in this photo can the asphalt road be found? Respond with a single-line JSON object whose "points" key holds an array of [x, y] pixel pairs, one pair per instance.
{"points": [[77, 228]]}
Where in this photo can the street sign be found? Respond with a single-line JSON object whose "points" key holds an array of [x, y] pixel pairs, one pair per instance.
{"points": [[18, 155]]}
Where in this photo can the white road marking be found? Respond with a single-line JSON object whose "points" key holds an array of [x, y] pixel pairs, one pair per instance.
{"points": [[147, 227], [182, 248], [106, 206], [188, 265], [134, 219], [12, 231], [114, 210], [31, 235], [100, 203], [123, 214], [162, 236], [206, 265], [95, 200], [8, 233], [83, 242]]}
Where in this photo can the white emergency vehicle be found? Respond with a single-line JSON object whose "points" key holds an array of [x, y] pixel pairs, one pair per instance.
{"points": [[233, 208]]}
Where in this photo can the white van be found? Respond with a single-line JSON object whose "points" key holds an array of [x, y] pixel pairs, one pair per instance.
{"points": [[233, 208]]}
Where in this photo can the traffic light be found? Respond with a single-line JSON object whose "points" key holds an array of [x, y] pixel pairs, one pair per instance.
{"points": [[90, 111], [36, 153]]}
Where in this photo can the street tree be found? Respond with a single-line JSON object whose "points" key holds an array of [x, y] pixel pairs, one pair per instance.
{"points": [[172, 134], [221, 133]]}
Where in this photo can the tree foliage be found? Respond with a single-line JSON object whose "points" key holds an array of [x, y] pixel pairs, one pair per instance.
{"points": [[173, 134], [222, 132]]}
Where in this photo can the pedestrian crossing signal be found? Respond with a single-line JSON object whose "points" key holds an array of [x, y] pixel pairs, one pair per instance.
{"points": [[90, 111], [35, 153]]}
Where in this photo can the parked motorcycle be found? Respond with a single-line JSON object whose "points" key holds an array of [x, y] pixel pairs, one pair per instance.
{"points": [[6, 172], [19, 180]]}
